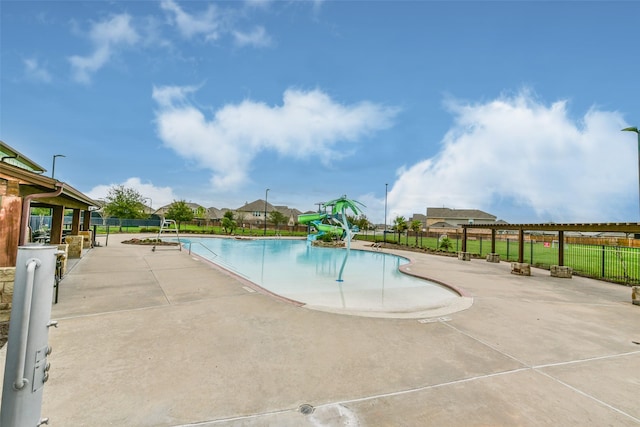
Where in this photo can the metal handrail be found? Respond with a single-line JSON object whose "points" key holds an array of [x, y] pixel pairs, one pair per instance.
{"points": [[215, 255], [204, 246], [21, 381]]}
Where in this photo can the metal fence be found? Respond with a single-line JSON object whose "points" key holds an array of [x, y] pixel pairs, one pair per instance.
{"points": [[610, 262], [38, 222]]}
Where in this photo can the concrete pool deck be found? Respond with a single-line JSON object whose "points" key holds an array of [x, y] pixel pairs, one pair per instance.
{"points": [[164, 339]]}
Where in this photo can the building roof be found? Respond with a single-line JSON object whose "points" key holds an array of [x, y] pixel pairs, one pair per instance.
{"points": [[459, 214], [12, 156], [35, 183], [256, 206]]}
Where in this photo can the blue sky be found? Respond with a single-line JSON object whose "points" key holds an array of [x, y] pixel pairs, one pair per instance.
{"points": [[514, 108]]}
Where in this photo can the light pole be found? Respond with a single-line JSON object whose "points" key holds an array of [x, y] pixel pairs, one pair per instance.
{"points": [[53, 168], [386, 186], [150, 202], [635, 129], [266, 196]]}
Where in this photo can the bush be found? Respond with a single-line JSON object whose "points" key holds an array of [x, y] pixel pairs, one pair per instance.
{"points": [[445, 244], [327, 237]]}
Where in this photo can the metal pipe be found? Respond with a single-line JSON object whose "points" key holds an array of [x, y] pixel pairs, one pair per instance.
{"points": [[26, 206], [21, 381]]}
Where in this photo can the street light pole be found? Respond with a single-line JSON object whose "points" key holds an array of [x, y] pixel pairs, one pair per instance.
{"points": [[384, 237], [53, 168], [266, 196], [150, 202], [635, 129]]}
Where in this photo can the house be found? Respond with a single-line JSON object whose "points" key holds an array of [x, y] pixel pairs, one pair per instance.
{"points": [[198, 210], [290, 213], [452, 218], [419, 217], [254, 213]]}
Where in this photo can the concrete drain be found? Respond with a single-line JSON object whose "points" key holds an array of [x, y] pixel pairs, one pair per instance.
{"points": [[306, 409]]}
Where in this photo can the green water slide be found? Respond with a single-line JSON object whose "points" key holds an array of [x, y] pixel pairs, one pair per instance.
{"points": [[316, 219], [307, 218]]}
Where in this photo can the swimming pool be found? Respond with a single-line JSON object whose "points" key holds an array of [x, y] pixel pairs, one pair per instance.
{"points": [[372, 282]]}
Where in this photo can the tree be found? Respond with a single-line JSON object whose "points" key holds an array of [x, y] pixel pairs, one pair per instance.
{"points": [[400, 225], [124, 203], [229, 224], [201, 212], [179, 211], [415, 226], [277, 218]]}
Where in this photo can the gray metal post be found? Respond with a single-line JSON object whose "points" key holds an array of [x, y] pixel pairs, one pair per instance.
{"points": [[26, 367]]}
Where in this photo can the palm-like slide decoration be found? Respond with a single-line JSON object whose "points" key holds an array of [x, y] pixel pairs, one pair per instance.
{"points": [[339, 209]]}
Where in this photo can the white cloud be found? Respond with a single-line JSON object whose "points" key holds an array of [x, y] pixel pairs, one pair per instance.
{"points": [[307, 123], [106, 36], [530, 154], [160, 196], [36, 72], [207, 23], [258, 38]]}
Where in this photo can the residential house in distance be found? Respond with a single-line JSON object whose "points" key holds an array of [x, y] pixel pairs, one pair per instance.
{"points": [[198, 210], [453, 218], [253, 214], [419, 217], [290, 213]]}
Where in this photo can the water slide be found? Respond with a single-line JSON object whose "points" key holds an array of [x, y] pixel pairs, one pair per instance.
{"points": [[316, 219]]}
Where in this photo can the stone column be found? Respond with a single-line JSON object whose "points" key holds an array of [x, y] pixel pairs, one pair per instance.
{"points": [[561, 271], [520, 269], [493, 257], [464, 256], [635, 295], [7, 277], [75, 246]]}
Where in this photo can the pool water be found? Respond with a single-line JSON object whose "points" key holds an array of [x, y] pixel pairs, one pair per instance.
{"points": [[294, 269]]}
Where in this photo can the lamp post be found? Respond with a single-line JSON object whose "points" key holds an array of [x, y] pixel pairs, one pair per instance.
{"points": [[53, 168], [384, 233], [150, 202], [266, 196], [635, 129]]}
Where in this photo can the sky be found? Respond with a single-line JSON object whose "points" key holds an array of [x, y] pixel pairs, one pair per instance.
{"points": [[511, 107]]}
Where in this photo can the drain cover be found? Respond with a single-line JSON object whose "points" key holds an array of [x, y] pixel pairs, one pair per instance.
{"points": [[306, 409]]}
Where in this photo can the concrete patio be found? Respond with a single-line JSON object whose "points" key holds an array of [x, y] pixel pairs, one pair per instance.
{"points": [[165, 339]]}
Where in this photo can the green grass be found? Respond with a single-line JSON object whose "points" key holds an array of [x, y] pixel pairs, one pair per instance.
{"points": [[611, 263]]}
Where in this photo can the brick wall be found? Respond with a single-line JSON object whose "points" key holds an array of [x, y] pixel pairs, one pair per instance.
{"points": [[7, 277]]}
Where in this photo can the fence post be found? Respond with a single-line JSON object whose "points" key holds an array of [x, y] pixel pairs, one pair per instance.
{"points": [[531, 251], [480, 245], [603, 255], [508, 248]]}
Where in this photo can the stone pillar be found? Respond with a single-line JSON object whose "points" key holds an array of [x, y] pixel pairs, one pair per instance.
{"points": [[86, 235], [520, 269], [10, 217], [7, 277], [635, 295], [464, 256], [75, 246], [561, 271], [63, 247], [493, 257]]}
